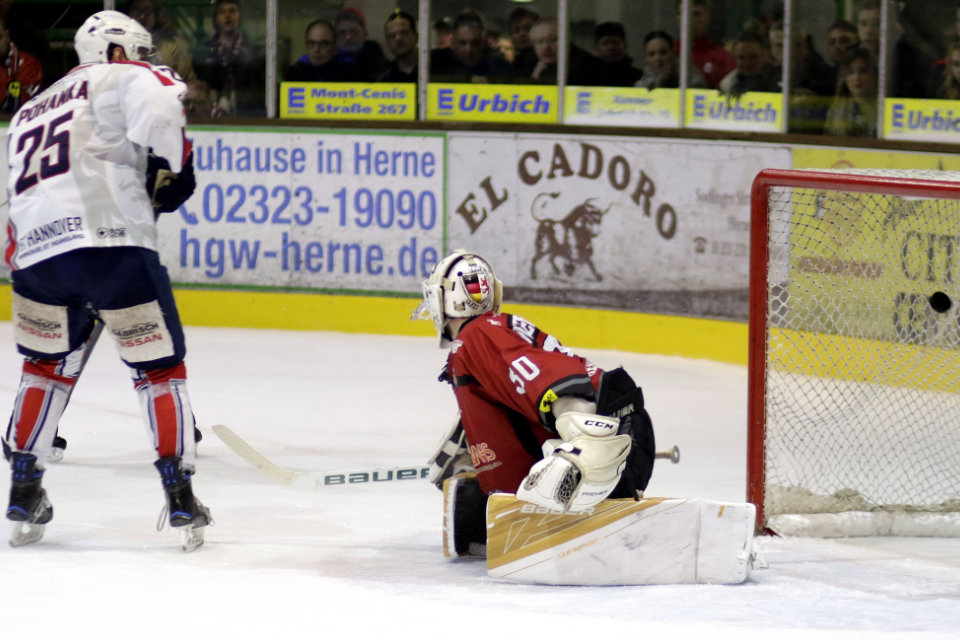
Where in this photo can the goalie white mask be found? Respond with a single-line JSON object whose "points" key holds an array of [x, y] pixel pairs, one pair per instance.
{"points": [[462, 285], [104, 28]]}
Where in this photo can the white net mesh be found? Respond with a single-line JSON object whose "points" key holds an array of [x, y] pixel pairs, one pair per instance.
{"points": [[862, 387]]}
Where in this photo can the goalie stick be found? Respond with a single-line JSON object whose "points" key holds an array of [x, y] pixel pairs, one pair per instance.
{"points": [[312, 481], [309, 480]]}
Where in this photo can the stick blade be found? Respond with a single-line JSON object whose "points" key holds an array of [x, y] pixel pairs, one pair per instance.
{"points": [[243, 449]]}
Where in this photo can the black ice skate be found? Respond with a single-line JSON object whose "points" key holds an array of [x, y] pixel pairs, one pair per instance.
{"points": [[185, 511], [29, 507]]}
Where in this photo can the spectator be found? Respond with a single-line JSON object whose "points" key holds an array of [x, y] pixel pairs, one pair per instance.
{"points": [[543, 37], [713, 61], [400, 35], [172, 49], [520, 21], [854, 109], [613, 67], [914, 67], [443, 32], [950, 88], [21, 74], [842, 39], [661, 70], [22, 20], [199, 101], [492, 36], [770, 11], [754, 72], [952, 30], [868, 26], [321, 62], [506, 49], [467, 59], [354, 46], [810, 75], [232, 65]]}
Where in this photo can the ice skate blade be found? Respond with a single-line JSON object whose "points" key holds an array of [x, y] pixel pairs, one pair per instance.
{"points": [[191, 538], [25, 533]]}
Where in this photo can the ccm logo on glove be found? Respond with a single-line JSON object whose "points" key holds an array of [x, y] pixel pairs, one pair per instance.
{"points": [[603, 424]]}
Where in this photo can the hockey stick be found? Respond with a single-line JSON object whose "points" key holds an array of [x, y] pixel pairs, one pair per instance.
{"points": [[312, 481]]}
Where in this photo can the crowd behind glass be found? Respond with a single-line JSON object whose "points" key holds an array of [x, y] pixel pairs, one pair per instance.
{"points": [[843, 58]]}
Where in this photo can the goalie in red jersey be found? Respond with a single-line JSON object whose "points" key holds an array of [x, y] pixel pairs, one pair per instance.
{"points": [[536, 420]]}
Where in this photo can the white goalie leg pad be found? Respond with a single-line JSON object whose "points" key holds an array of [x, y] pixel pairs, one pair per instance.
{"points": [[580, 473], [622, 542]]}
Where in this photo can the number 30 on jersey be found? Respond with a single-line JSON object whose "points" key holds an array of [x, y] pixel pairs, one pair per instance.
{"points": [[523, 370]]}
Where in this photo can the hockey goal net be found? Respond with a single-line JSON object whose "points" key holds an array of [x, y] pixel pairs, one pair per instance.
{"points": [[854, 365]]}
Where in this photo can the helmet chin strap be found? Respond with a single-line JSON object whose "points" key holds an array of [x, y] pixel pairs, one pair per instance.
{"points": [[454, 325]]}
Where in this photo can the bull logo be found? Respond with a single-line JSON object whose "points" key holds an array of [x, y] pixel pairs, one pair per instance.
{"points": [[566, 243]]}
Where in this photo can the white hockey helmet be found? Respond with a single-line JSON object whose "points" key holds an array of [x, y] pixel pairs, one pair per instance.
{"points": [[462, 285], [104, 28]]}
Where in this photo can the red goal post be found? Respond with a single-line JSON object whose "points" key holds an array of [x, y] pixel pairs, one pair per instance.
{"points": [[854, 352]]}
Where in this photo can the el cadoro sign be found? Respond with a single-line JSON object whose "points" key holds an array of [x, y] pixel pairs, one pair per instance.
{"points": [[619, 222]]}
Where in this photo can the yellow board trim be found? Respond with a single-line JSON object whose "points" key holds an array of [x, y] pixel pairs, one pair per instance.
{"points": [[718, 340], [862, 360]]}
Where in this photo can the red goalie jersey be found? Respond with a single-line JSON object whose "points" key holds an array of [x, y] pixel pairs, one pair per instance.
{"points": [[506, 373]]}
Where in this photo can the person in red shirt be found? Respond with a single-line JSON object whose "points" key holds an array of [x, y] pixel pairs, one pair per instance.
{"points": [[20, 75], [536, 419], [713, 61]]}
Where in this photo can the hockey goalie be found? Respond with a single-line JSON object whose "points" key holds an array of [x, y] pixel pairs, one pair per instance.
{"points": [[544, 469]]}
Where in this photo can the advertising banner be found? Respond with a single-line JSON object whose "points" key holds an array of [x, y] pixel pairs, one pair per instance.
{"points": [[710, 109], [922, 120], [348, 100], [622, 107], [528, 104], [628, 223], [309, 209]]}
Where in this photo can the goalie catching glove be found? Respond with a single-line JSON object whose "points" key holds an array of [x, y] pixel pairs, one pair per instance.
{"points": [[580, 471], [168, 190]]}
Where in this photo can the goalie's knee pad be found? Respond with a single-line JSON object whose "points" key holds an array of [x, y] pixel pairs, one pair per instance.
{"points": [[464, 517]]}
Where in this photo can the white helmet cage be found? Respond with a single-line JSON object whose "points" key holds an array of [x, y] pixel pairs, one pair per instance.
{"points": [[104, 28], [462, 285]]}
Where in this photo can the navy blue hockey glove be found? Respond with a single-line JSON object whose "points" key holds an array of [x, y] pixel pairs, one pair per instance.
{"points": [[168, 190]]}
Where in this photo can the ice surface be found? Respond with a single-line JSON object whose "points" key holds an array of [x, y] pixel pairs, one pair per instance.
{"points": [[353, 561]]}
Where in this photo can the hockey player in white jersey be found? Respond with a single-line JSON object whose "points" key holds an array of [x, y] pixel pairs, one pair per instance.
{"points": [[93, 159]]}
